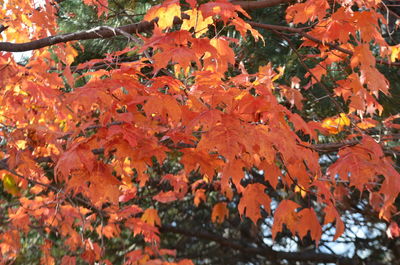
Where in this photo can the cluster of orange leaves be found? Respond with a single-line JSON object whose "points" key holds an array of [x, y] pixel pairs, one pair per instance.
{"points": [[133, 119]]}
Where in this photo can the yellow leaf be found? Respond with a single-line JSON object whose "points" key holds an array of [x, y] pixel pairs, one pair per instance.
{"points": [[281, 70], [334, 125], [197, 22], [10, 185], [395, 53], [300, 190], [21, 144], [343, 118], [165, 13], [71, 53]]}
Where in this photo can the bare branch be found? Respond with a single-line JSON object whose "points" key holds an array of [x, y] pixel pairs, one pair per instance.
{"points": [[95, 33], [268, 253]]}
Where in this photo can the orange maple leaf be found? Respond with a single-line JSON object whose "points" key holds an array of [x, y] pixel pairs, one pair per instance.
{"points": [[219, 212], [253, 198], [150, 216]]}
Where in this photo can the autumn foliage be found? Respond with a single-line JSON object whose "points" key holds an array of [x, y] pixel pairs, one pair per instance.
{"points": [[76, 159]]}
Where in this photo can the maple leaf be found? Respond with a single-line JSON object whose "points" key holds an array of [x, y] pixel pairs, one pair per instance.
{"points": [[227, 137], [367, 123], [362, 164], [285, 214], [135, 256], [337, 27], [175, 48], [92, 252], [150, 216], [197, 22], [309, 222], [178, 182], [165, 197], [310, 10], [336, 125], [68, 260], [129, 133], [101, 5], [104, 127], [297, 222], [330, 215], [10, 243], [109, 231], [232, 170], [166, 12], [194, 159], [165, 106], [293, 95], [366, 22], [138, 226], [78, 156], [253, 197], [199, 196], [128, 193], [103, 185], [10, 185], [243, 28], [128, 211], [225, 53], [20, 219], [395, 51], [222, 8], [219, 212], [363, 56]]}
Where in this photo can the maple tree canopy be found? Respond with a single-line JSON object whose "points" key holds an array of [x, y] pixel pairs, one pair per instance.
{"points": [[83, 144]]}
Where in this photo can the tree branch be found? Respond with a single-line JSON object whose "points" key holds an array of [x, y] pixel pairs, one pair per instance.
{"points": [[108, 32], [105, 32], [268, 253], [95, 33]]}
